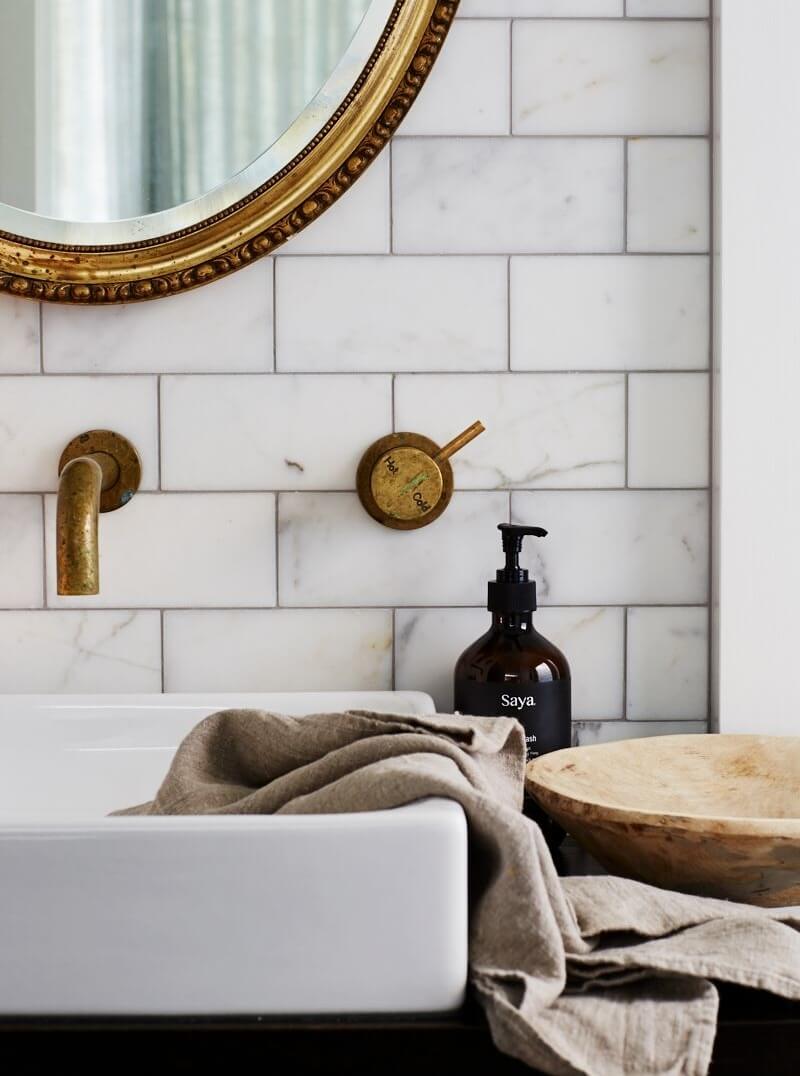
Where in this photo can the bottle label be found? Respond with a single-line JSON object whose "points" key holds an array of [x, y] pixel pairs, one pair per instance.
{"points": [[544, 710]]}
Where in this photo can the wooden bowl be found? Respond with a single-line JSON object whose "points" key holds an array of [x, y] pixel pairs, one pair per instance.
{"points": [[717, 815]]}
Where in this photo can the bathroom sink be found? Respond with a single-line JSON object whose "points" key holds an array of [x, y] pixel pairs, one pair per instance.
{"points": [[717, 815], [356, 913]]}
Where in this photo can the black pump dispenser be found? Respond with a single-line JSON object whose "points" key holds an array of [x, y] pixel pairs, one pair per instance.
{"points": [[513, 671], [512, 592]]}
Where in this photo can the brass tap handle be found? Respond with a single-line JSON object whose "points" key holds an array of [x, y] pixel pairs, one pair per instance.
{"points": [[405, 480]]}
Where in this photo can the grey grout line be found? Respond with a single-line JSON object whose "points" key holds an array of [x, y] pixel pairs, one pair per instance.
{"points": [[351, 490], [44, 555], [394, 650], [511, 77], [163, 665], [390, 151], [710, 693], [166, 610], [628, 430], [625, 161], [508, 315], [41, 338], [394, 407], [575, 136], [274, 316], [587, 18], [376, 373], [159, 440], [277, 550], [625, 613]]}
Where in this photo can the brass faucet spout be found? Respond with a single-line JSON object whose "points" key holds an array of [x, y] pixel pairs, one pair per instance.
{"points": [[99, 472], [78, 510]]}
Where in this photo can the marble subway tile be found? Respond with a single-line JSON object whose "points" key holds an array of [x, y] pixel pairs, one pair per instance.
{"points": [[278, 650], [521, 9], [21, 552], [610, 77], [668, 430], [624, 547], [332, 553], [223, 326], [273, 431], [19, 336], [428, 642], [668, 9], [508, 196], [467, 93], [392, 314], [180, 549], [76, 652], [541, 429], [39, 415], [359, 223], [667, 663], [610, 312], [668, 194], [586, 733]]}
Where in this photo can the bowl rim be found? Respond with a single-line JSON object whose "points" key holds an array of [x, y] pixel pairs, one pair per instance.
{"points": [[776, 827]]}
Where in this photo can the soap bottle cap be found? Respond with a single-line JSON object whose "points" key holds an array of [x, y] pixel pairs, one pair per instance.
{"points": [[512, 592]]}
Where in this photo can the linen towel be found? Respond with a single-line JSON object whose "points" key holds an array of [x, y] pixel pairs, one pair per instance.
{"points": [[595, 976]]}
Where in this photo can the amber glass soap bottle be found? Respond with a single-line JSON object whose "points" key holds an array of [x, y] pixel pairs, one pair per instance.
{"points": [[513, 671]]}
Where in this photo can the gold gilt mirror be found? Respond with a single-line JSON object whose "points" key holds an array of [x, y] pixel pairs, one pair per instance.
{"points": [[150, 146]]}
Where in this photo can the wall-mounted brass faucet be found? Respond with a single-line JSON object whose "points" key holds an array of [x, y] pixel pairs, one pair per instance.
{"points": [[99, 471]]}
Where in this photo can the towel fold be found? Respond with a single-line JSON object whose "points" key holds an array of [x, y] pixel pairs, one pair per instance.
{"points": [[578, 976]]}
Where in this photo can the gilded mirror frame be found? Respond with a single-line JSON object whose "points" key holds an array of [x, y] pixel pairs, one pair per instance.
{"points": [[265, 219]]}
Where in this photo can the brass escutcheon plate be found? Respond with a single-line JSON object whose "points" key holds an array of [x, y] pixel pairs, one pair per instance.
{"points": [[390, 485], [123, 479]]}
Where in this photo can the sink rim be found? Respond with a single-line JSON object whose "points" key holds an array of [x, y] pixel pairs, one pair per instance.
{"points": [[545, 781]]}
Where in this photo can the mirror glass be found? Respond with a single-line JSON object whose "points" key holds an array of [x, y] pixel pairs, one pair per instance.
{"points": [[125, 120]]}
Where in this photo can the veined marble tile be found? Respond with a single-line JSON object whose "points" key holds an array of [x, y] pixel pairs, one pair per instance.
{"points": [[21, 551], [76, 652], [667, 663], [332, 553], [468, 92], [274, 431], [278, 650], [180, 549], [610, 312], [392, 314], [541, 429], [626, 547], [507, 195], [223, 326], [668, 194], [39, 415], [671, 9], [610, 77], [668, 430], [586, 733], [538, 8], [19, 336], [428, 642], [359, 223]]}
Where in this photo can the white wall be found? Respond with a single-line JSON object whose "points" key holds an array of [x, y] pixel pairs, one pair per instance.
{"points": [[759, 344], [534, 253]]}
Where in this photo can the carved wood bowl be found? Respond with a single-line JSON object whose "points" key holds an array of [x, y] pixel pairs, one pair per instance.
{"points": [[717, 815]]}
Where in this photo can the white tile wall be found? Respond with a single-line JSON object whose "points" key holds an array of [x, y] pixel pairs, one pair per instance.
{"points": [[392, 314], [668, 430], [507, 195], [636, 312], [610, 77], [300, 649], [668, 200], [541, 429], [19, 336], [471, 273]]}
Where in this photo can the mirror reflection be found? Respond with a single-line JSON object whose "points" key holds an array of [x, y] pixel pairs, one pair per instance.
{"points": [[116, 109]]}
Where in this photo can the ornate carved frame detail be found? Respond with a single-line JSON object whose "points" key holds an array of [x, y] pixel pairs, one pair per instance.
{"points": [[256, 226]]}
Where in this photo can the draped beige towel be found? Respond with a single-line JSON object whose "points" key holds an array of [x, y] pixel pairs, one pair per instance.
{"points": [[597, 976]]}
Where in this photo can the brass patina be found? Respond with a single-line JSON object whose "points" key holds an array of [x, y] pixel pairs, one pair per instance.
{"points": [[405, 480], [99, 471], [257, 225]]}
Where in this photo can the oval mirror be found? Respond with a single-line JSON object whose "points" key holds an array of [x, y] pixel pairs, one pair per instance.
{"points": [[149, 146]]}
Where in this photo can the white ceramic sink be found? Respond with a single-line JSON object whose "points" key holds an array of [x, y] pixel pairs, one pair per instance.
{"points": [[358, 913]]}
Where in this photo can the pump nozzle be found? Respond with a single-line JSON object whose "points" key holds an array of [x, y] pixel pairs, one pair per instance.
{"points": [[512, 592]]}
